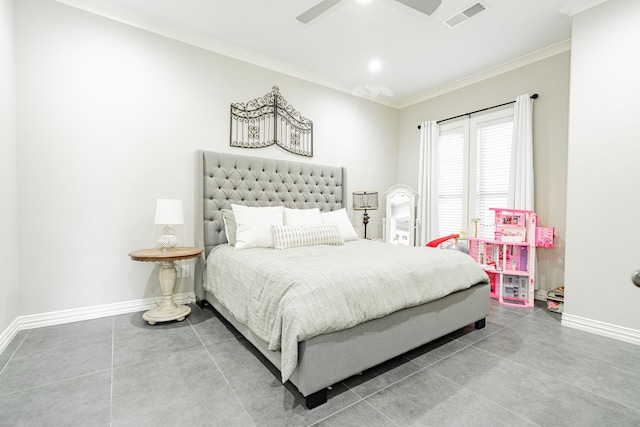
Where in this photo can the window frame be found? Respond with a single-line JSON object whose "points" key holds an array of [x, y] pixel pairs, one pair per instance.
{"points": [[468, 127]]}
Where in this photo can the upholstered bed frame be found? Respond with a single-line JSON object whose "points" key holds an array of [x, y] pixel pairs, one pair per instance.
{"points": [[223, 178]]}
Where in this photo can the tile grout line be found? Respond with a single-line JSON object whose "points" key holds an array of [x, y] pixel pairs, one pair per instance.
{"points": [[381, 413], [558, 379], [221, 373], [363, 400], [483, 397], [510, 321], [564, 381], [14, 352], [56, 382], [474, 346], [535, 338], [182, 350], [336, 412], [423, 368], [235, 338], [534, 368]]}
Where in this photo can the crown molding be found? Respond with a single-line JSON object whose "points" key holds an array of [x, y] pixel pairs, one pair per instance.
{"points": [[141, 21], [536, 56], [174, 32], [573, 7]]}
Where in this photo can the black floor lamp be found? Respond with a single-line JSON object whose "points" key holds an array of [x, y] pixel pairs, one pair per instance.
{"points": [[364, 201]]}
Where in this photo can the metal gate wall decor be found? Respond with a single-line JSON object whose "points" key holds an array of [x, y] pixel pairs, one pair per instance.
{"points": [[270, 120]]}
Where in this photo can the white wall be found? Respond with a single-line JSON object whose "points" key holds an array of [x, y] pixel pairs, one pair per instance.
{"points": [[8, 173], [603, 178], [550, 79], [109, 118]]}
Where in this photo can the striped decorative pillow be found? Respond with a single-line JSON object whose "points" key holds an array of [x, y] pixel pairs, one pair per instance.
{"points": [[293, 236]]}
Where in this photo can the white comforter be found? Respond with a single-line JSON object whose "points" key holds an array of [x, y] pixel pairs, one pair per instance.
{"points": [[287, 296]]}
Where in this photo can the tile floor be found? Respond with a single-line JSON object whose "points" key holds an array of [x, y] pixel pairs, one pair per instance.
{"points": [[523, 369]]}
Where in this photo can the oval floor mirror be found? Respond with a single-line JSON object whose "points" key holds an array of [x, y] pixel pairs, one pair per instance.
{"points": [[400, 217]]}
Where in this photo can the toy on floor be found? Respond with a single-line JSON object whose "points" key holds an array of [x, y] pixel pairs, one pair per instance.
{"points": [[434, 243], [458, 246]]}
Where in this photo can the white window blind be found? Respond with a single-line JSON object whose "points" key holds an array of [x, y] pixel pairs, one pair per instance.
{"points": [[493, 159], [474, 160]]}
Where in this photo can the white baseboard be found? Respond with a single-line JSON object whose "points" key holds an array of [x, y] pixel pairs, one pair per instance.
{"points": [[7, 336], [619, 333], [33, 321]]}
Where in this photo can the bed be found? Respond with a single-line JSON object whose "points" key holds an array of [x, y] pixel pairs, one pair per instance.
{"points": [[316, 359]]}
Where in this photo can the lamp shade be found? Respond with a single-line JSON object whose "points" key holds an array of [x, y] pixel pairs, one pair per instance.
{"points": [[169, 211], [365, 200]]}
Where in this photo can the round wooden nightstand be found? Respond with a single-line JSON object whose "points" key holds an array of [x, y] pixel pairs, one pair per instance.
{"points": [[168, 309]]}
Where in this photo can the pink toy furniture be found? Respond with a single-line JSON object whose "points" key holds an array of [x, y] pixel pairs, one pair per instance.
{"points": [[544, 237], [509, 259]]}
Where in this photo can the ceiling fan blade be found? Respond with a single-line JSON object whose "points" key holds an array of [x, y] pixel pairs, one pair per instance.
{"points": [[317, 10], [425, 6]]}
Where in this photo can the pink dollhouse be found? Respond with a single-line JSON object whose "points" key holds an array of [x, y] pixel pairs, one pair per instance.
{"points": [[509, 259]]}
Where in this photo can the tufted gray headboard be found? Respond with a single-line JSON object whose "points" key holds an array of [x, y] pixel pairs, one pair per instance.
{"points": [[224, 178]]}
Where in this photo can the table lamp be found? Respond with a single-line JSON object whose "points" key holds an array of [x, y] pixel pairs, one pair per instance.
{"points": [[168, 212], [364, 201]]}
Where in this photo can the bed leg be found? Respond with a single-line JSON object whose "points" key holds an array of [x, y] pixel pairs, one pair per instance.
{"points": [[316, 399], [202, 303], [481, 323]]}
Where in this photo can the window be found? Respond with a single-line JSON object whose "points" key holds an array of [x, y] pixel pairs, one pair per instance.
{"points": [[473, 176]]}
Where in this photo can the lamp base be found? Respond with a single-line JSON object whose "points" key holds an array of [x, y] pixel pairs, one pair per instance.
{"points": [[365, 221], [168, 240], [164, 314]]}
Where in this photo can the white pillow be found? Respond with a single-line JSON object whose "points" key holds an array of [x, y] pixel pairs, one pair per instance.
{"points": [[253, 225], [302, 216], [341, 218], [293, 236]]}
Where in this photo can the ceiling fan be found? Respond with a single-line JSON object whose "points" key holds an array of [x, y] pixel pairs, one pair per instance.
{"points": [[425, 6]]}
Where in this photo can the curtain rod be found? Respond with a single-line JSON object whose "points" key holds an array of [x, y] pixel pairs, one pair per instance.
{"points": [[534, 96]]}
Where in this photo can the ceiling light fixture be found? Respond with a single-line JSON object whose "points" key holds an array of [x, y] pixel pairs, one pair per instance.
{"points": [[375, 66]]}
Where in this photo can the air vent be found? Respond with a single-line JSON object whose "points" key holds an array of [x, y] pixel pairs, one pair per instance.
{"points": [[465, 14]]}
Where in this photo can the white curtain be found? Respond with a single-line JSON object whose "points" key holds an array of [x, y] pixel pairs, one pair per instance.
{"points": [[428, 183], [521, 173]]}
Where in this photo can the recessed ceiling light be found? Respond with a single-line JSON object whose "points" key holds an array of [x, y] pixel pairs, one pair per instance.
{"points": [[363, 2], [375, 65]]}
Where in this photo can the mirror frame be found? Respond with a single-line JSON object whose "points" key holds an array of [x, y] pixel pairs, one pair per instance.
{"points": [[412, 195]]}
